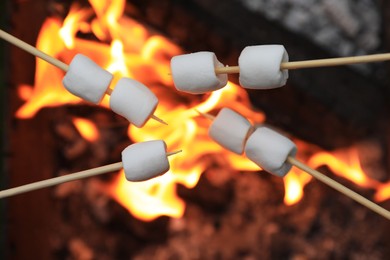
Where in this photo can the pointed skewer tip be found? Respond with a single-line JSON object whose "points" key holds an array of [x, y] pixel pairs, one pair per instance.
{"points": [[159, 120], [174, 152], [206, 115]]}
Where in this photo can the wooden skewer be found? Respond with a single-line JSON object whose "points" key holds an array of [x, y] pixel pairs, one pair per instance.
{"points": [[66, 178], [206, 115], [32, 50], [58, 180], [55, 62], [174, 152], [158, 119], [339, 187], [330, 182], [292, 65], [227, 70]]}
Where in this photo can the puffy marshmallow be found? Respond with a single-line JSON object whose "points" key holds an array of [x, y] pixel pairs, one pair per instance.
{"points": [[195, 73], [133, 100], [270, 150], [230, 129], [260, 67], [86, 79], [146, 160]]}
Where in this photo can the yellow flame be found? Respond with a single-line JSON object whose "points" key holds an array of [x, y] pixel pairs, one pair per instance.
{"points": [[294, 182], [118, 63], [383, 192], [73, 23], [157, 197], [86, 128]]}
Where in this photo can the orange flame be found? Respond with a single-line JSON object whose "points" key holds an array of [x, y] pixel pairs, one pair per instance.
{"points": [[48, 90], [135, 52], [346, 165], [383, 192]]}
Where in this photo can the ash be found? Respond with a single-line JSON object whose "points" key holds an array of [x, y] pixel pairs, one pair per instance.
{"points": [[345, 28]]}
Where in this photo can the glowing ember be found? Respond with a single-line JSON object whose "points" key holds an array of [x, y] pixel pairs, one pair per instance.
{"points": [[134, 52]]}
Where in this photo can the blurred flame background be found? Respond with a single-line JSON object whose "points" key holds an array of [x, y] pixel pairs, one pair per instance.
{"points": [[127, 48]]}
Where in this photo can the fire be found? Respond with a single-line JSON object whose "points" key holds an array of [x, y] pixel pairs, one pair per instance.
{"points": [[48, 90], [383, 192], [157, 196], [128, 49], [187, 167], [68, 30], [294, 182], [86, 128], [346, 164]]}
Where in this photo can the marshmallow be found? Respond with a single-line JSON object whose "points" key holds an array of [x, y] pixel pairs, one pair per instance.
{"points": [[86, 79], [230, 129], [146, 160], [195, 73], [133, 100], [260, 67], [270, 150]]}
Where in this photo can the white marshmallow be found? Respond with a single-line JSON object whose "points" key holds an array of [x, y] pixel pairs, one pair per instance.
{"points": [[86, 79], [133, 100], [260, 67], [146, 160], [195, 73], [230, 129], [270, 150]]}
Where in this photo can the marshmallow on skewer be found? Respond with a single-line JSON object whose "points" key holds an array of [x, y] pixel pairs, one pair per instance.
{"points": [[195, 73], [276, 154], [260, 67], [270, 150], [86, 79], [143, 161], [230, 130], [133, 100], [130, 99]]}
